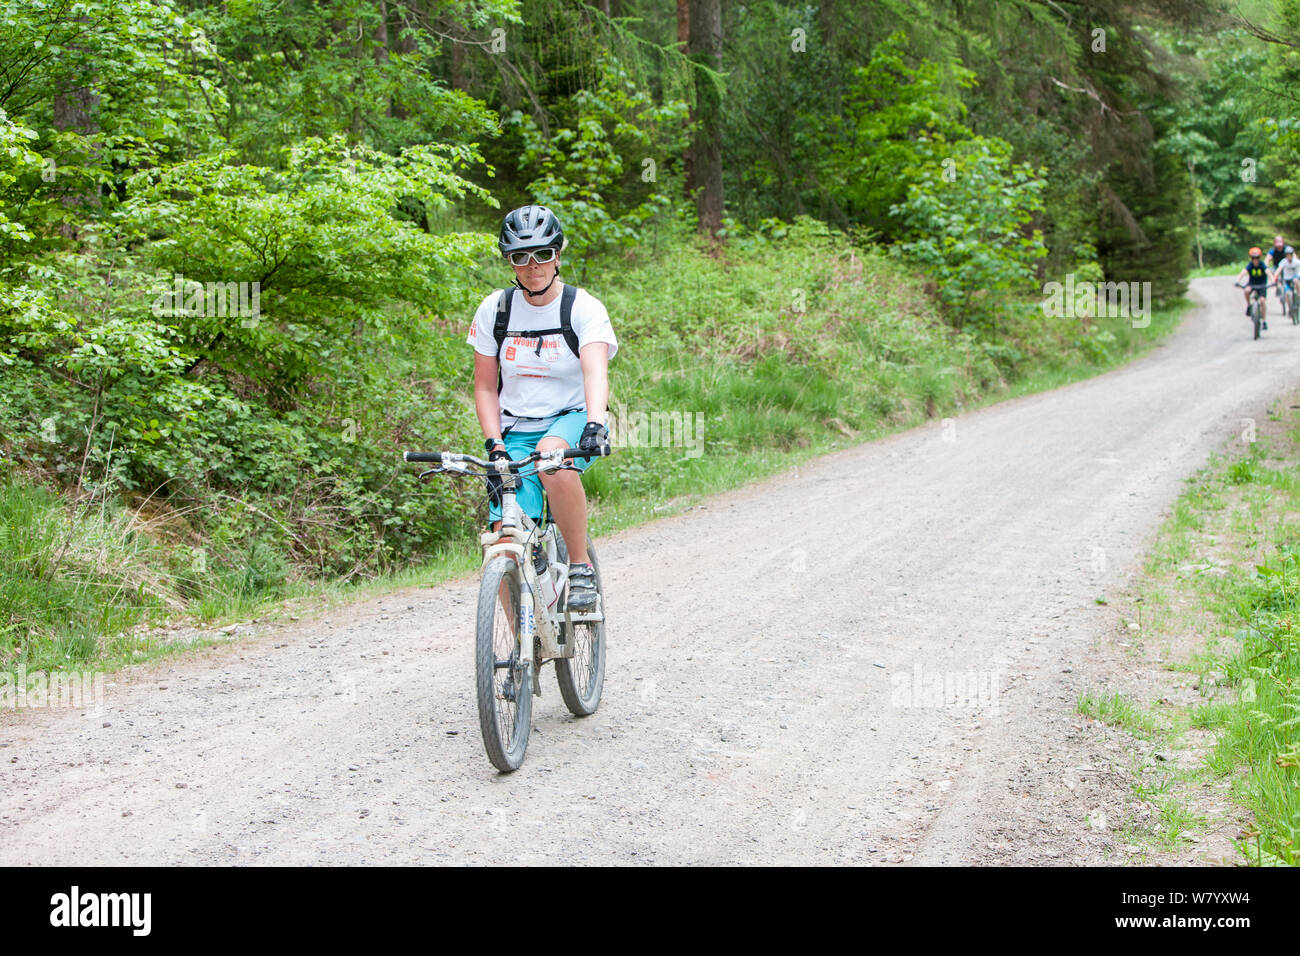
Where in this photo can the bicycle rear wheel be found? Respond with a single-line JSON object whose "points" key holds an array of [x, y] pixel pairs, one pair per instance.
{"points": [[504, 685], [582, 676]]}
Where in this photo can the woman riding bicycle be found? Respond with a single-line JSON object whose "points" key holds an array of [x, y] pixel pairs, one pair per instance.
{"points": [[1257, 278], [532, 392]]}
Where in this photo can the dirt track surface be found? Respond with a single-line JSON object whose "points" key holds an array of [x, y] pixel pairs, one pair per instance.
{"points": [[757, 709]]}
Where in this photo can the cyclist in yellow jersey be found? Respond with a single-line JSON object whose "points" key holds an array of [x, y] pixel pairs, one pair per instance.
{"points": [[1257, 276]]}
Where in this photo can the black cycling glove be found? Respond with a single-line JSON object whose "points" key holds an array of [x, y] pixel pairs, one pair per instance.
{"points": [[595, 437], [493, 479]]}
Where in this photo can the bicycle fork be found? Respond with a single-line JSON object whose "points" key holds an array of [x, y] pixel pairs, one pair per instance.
{"points": [[527, 631]]}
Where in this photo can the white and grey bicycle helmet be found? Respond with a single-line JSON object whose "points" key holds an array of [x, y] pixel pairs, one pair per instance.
{"points": [[530, 227]]}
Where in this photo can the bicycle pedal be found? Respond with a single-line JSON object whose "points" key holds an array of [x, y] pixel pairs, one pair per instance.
{"points": [[593, 616]]}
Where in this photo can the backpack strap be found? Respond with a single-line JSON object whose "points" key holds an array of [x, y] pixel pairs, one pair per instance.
{"points": [[566, 317], [504, 302]]}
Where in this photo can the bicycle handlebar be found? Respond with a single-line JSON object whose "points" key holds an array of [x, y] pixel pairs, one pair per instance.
{"points": [[439, 457]]}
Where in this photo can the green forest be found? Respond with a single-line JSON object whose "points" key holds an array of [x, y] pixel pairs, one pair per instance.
{"points": [[241, 244]]}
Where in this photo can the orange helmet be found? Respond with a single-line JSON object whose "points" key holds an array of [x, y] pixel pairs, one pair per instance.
{"points": [[1254, 252]]}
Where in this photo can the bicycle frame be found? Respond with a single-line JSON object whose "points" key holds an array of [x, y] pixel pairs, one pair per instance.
{"points": [[518, 535]]}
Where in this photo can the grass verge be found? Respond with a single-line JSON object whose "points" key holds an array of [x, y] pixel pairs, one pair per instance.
{"points": [[1220, 596]]}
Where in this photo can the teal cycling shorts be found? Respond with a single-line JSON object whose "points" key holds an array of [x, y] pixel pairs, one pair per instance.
{"points": [[520, 443]]}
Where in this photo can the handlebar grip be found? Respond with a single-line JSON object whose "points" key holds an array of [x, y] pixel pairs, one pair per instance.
{"points": [[581, 453], [430, 456]]}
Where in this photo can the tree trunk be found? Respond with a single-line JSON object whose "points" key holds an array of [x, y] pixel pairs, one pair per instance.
{"points": [[403, 44], [457, 65], [826, 21], [381, 34], [706, 49], [381, 46], [74, 110], [684, 38], [358, 56]]}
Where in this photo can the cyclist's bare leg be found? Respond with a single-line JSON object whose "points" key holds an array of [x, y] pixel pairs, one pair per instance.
{"points": [[568, 504]]}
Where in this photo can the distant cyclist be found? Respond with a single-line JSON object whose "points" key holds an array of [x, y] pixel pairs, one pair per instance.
{"points": [[542, 382], [1286, 272], [1257, 277], [1277, 252]]}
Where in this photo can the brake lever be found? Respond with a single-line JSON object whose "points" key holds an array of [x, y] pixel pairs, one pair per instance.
{"points": [[547, 465]]}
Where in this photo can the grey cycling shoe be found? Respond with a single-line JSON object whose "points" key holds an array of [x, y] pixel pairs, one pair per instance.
{"points": [[582, 587]]}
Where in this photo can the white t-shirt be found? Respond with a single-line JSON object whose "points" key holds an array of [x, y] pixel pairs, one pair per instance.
{"points": [[540, 377]]}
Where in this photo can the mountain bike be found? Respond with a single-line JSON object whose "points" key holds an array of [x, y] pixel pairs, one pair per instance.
{"points": [[524, 620], [1256, 309]]}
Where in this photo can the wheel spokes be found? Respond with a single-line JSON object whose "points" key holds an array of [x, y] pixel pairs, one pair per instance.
{"points": [[583, 661], [506, 672]]}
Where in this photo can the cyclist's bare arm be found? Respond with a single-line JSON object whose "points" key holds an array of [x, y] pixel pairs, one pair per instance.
{"points": [[487, 403], [595, 379]]}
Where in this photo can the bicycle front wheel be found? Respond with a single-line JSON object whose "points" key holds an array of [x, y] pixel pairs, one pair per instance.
{"points": [[582, 676], [504, 684]]}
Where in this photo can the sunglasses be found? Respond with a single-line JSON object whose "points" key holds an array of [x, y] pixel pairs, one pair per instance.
{"points": [[537, 255]]}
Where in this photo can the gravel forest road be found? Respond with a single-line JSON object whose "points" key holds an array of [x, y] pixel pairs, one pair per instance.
{"points": [[771, 709]]}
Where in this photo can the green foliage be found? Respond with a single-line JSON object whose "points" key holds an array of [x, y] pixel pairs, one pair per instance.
{"points": [[601, 175], [1263, 729], [1145, 234], [116, 383], [965, 221], [1222, 145], [1269, 101], [108, 86], [16, 160], [893, 116], [1243, 471], [321, 237], [300, 70]]}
